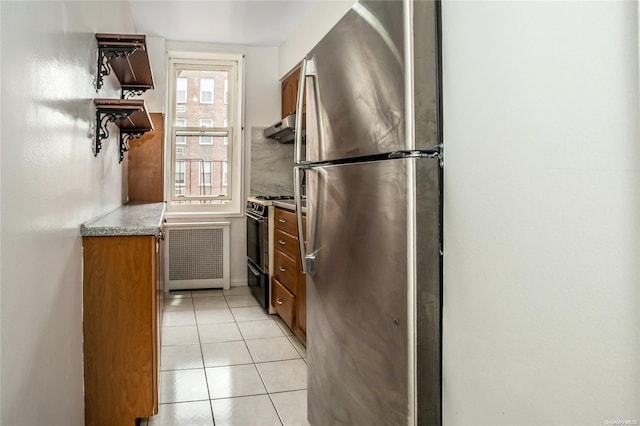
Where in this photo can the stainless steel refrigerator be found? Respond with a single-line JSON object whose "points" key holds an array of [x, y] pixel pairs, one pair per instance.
{"points": [[372, 168]]}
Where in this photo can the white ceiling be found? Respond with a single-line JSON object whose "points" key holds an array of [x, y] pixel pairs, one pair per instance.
{"points": [[248, 22]]}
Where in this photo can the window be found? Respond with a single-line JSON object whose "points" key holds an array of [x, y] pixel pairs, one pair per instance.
{"points": [[181, 140], [206, 90], [206, 140], [205, 159], [181, 90], [204, 175]]}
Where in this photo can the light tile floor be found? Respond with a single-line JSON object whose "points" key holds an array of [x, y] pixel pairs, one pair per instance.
{"points": [[225, 361]]}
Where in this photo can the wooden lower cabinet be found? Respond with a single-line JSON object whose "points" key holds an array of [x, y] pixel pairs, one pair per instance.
{"points": [[122, 314], [283, 302], [288, 285]]}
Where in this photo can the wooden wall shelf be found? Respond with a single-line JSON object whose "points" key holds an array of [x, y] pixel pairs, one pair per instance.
{"points": [[126, 55], [130, 115]]}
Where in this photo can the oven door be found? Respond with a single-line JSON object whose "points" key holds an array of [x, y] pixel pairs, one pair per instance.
{"points": [[255, 240], [258, 283]]}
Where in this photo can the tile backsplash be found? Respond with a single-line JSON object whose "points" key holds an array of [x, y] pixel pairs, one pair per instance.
{"points": [[271, 165]]}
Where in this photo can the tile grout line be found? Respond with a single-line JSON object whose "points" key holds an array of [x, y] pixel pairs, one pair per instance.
{"points": [[290, 338], [261, 378]]}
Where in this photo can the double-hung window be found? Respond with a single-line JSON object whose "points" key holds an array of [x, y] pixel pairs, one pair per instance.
{"points": [[206, 135]]}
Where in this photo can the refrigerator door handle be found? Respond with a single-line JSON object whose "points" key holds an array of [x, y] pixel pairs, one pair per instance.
{"points": [[298, 124], [298, 200]]}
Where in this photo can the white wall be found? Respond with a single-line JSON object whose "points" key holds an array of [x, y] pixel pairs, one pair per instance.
{"points": [[51, 183], [320, 20], [155, 99], [262, 108], [542, 213]]}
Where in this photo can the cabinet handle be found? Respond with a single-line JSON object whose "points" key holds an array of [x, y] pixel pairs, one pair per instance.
{"points": [[282, 242], [279, 301], [282, 269], [282, 220]]}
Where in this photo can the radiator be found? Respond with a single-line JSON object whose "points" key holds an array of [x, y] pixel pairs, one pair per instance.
{"points": [[197, 255]]}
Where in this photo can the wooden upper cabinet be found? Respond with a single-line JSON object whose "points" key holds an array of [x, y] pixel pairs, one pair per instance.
{"points": [[146, 165], [290, 93]]}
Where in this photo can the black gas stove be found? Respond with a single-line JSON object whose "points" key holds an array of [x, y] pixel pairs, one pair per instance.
{"points": [[257, 204], [273, 197], [258, 210]]}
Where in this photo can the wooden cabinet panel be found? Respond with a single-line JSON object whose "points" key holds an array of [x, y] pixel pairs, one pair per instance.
{"points": [[120, 327], [145, 169], [286, 221], [286, 270], [287, 243], [290, 94], [288, 267], [283, 302]]}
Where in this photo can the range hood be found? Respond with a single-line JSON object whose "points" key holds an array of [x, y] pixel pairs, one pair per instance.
{"points": [[283, 131]]}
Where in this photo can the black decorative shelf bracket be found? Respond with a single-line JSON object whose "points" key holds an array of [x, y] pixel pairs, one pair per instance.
{"points": [[106, 54], [129, 93], [103, 118], [125, 137]]}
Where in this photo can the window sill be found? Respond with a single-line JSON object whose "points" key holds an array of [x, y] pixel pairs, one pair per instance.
{"points": [[199, 216]]}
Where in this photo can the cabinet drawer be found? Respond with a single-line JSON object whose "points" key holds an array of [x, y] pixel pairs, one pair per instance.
{"points": [[286, 221], [283, 302], [287, 243], [285, 270]]}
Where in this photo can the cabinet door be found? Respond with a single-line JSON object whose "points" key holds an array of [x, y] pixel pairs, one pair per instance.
{"points": [[283, 302], [289, 94], [119, 329], [146, 165], [287, 243], [286, 270], [286, 221]]}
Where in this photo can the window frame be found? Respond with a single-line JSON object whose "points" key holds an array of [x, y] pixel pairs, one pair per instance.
{"points": [[231, 204], [225, 177]]}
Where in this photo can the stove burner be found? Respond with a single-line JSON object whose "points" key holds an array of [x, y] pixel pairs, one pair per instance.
{"points": [[274, 197]]}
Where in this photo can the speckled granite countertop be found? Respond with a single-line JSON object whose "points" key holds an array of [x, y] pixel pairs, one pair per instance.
{"points": [[130, 219]]}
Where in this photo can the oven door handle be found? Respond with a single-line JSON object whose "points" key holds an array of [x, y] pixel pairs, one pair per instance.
{"points": [[255, 217], [254, 271]]}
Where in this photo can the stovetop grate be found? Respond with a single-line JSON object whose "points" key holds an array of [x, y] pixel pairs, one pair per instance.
{"points": [[273, 197]]}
